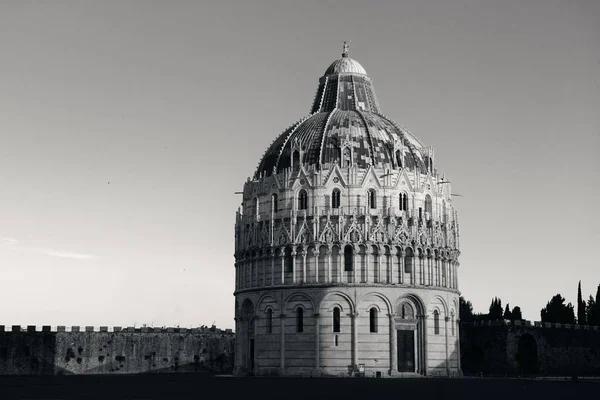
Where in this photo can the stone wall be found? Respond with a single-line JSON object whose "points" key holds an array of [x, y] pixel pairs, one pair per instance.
{"points": [[522, 347], [120, 351]]}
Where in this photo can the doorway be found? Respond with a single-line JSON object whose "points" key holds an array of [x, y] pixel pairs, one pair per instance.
{"points": [[406, 350]]}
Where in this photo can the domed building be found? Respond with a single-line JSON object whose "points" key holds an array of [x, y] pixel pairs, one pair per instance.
{"points": [[346, 246]]}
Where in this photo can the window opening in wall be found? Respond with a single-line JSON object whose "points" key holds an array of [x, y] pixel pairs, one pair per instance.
{"points": [[287, 259], [372, 198], [453, 325], [373, 320], [255, 208], [274, 201], [436, 322], [299, 320], [335, 198], [428, 205], [336, 319], [420, 213], [336, 340], [403, 202], [346, 157], [296, 160], [398, 158], [348, 258], [302, 200], [269, 321]]}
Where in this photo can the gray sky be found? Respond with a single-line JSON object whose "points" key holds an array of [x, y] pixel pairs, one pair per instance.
{"points": [[174, 102]]}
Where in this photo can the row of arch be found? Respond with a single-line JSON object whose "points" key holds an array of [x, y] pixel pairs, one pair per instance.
{"points": [[350, 263], [405, 306], [335, 202]]}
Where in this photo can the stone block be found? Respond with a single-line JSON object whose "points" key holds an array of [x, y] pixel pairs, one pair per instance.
{"points": [[104, 329], [89, 329], [16, 328], [1, 328], [74, 329], [117, 329], [46, 328], [30, 328], [61, 328]]}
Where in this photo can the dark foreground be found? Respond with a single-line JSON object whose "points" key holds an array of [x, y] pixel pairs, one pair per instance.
{"points": [[188, 386]]}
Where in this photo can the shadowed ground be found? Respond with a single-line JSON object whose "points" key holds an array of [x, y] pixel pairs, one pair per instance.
{"points": [[171, 386]]}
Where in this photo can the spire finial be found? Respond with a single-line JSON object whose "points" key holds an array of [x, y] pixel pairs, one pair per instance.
{"points": [[346, 49]]}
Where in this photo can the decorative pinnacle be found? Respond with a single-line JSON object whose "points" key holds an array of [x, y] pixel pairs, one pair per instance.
{"points": [[346, 49]]}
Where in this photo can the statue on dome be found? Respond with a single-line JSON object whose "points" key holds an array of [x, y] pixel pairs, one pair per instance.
{"points": [[346, 49]]}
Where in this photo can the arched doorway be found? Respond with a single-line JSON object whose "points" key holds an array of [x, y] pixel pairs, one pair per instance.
{"points": [[527, 355]]}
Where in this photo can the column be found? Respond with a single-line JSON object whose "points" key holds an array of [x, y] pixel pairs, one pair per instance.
{"points": [[456, 276], [425, 355], [317, 342], [401, 265], [458, 345], [328, 265], [354, 269], [430, 269], [342, 263], [303, 266], [354, 316], [255, 266], [446, 319], [238, 341], [294, 266], [283, 266], [272, 268], [282, 346], [393, 346], [316, 254], [368, 253]]}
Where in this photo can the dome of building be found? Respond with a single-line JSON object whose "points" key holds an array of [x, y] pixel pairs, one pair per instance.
{"points": [[345, 65], [347, 246], [345, 127]]}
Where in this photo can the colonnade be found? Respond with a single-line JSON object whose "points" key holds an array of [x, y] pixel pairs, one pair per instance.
{"points": [[384, 266]]}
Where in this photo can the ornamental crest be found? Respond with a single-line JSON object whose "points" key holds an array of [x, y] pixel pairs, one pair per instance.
{"points": [[328, 234], [401, 235], [353, 234], [304, 234], [264, 236], [283, 236], [378, 233]]}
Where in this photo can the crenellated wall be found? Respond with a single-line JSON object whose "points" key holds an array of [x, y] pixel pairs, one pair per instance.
{"points": [[523, 347], [31, 351]]}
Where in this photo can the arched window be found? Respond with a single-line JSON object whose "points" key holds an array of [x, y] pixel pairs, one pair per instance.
{"points": [[398, 158], [288, 261], [335, 198], [346, 157], [274, 202], [302, 200], [348, 258], [373, 320], [431, 165], [336, 319], [436, 322], [420, 213], [408, 261], [299, 320], [372, 198], [428, 206], [296, 160], [452, 324], [403, 202], [269, 321]]}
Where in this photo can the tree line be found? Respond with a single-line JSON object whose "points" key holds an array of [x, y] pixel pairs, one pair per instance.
{"points": [[556, 311]]}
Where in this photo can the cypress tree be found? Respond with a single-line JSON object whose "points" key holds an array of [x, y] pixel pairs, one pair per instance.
{"points": [[580, 307]]}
